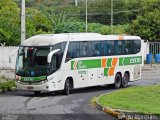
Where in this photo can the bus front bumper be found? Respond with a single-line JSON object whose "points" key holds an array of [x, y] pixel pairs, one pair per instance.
{"points": [[37, 87]]}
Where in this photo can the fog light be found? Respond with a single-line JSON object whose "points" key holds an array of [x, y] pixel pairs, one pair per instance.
{"points": [[47, 87], [43, 82]]}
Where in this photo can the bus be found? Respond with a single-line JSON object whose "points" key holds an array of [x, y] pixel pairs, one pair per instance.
{"points": [[67, 61]]}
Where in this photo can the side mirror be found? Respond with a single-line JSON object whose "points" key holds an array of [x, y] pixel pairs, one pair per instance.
{"points": [[49, 57]]}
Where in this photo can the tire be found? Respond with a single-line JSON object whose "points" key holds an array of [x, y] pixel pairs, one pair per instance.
{"points": [[117, 82], [67, 87], [125, 80], [37, 92]]}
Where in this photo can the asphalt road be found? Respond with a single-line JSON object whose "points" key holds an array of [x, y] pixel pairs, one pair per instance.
{"points": [[76, 106]]}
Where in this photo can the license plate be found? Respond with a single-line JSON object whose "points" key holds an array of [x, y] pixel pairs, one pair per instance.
{"points": [[29, 87]]}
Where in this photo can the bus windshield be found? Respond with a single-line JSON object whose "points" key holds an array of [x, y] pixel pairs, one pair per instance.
{"points": [[32, 61]]}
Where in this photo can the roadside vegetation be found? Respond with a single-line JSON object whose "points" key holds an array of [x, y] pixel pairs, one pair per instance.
{"points": [[141, 99], [6, 84], [133, 17]]}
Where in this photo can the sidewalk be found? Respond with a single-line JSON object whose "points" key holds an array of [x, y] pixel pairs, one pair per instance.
{"points": [[150, 66]]}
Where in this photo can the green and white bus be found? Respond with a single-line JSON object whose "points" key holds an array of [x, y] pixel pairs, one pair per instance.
{"points": [[55, 62]]}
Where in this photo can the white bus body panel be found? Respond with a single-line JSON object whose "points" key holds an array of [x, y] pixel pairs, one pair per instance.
{"points": [[81, 77]]}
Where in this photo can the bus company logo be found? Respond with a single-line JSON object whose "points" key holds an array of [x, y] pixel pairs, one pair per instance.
{"points": [[135, 60], [82, 72], [75, 65], [81, 65], [28, 79]]}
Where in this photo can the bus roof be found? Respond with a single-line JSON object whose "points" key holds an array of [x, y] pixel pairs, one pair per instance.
{"points": [[51, 39]]}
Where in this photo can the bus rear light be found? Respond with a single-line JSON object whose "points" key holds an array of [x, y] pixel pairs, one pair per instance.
{"points": [[43, 82]]}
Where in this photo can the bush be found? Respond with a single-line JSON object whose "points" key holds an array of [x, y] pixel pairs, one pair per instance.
{"points": [[7, 86]]}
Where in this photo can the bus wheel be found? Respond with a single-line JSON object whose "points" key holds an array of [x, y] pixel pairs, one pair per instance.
{"points": [[125, 80], [117, 82], [37, 92], [67, 87]]}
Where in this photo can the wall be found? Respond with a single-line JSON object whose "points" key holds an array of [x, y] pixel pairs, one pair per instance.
{"points": [[5, 52], [145, 48], [7, 68]]}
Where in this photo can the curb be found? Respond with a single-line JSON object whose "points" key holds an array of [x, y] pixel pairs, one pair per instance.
{"points": [[120, 114], [109, 110], [114, 112]]}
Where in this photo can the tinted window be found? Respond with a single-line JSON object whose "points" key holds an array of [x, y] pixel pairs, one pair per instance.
{"points": [[137, 46], [85, 49], [119, 47], [112, 48], [97, 48], [129, 47], [102, 48], [106, 46], [73, 51], [59, 54]]}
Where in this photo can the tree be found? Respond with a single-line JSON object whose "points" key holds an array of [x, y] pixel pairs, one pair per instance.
{"points": [[147, 26], [70, 26], [10, 22], [37, 23]]}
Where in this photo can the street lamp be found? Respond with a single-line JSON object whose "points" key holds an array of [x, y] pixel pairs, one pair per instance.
{"points": [[86, 16], [111, 16], [76, 3], [23, 27]]}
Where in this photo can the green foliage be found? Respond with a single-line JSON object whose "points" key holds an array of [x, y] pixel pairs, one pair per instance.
{"points": [[37, 23], [57, 16], [10, 22], [7, 85], [98, 28], [147, 26], [103, 29], [70, 26]]}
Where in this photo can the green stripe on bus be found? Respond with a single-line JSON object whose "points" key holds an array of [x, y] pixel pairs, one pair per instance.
{"points": [[86, 64], [130, 60], [32, 78], [106, 71], [72, 63], [109, 62], [96, 63]]}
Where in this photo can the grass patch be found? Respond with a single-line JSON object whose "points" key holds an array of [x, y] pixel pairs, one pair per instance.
{"points": [[6, 84], [142, 99]]}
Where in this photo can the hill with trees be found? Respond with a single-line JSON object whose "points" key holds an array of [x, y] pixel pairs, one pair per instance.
{"points": [[133, 17]]}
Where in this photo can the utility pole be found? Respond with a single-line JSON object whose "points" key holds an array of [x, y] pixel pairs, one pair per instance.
{"points": [[111, 16], [86, 16], [23, 27], [76, 3]]}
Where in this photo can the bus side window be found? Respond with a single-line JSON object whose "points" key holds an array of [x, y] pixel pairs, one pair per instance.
{"points": [[85, 49], [128, 47], [68, 56], [95, 49], [106, 47], [73, 51], [121, 47], [137, 44], [112, 48]]}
